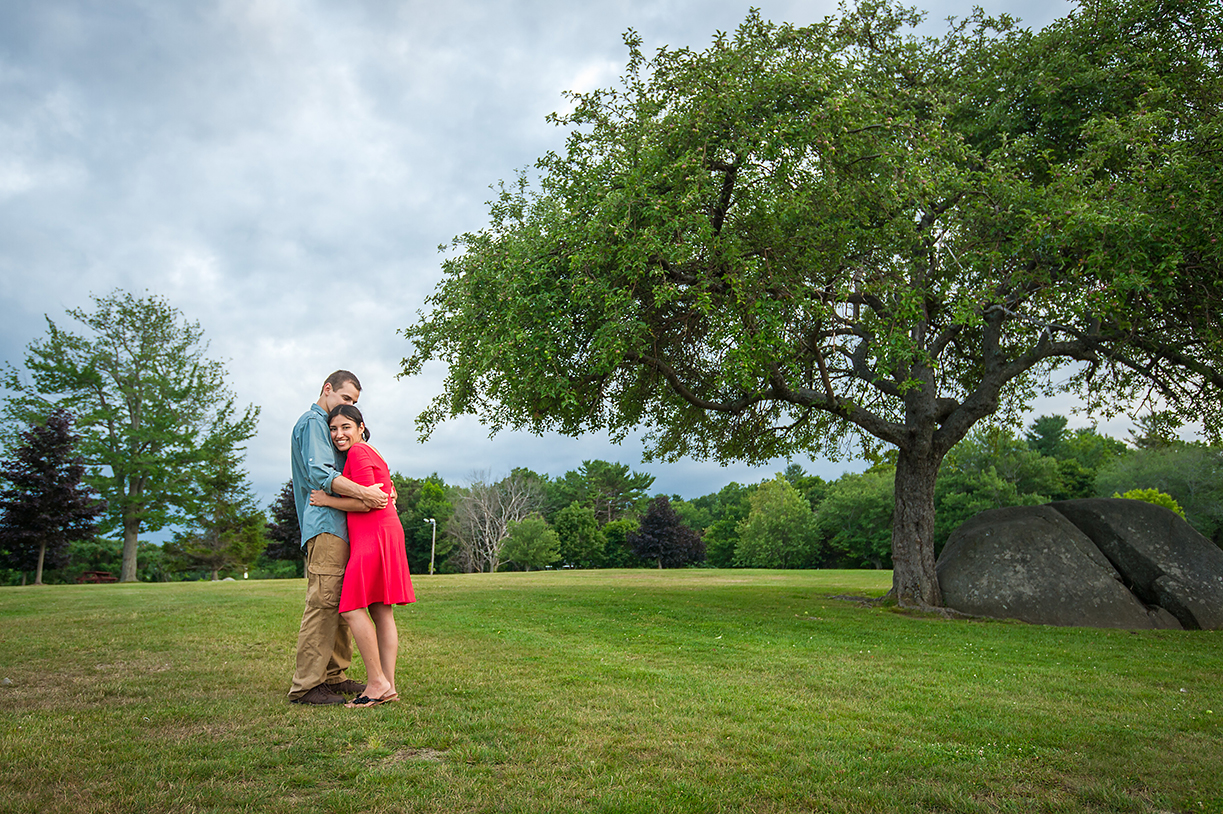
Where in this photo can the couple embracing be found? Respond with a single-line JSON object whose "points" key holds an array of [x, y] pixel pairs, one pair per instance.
{"points": [[356, 563]]}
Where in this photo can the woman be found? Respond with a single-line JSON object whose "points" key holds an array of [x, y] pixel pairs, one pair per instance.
{"points": [[377, 574]]}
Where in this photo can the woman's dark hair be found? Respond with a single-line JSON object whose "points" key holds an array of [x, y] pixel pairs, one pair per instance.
{"points": [[349, 411]]}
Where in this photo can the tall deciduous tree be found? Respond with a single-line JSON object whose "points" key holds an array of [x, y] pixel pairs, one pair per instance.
{"points": [[616, 552], [1092, 450], [856, 517], [416, 500], [146, 399], [581, 540], [727, 508], [779, 530], [45, 505], [804, 236], [532, 543]]}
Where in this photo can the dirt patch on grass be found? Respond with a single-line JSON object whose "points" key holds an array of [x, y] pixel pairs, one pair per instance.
{"points": [[114, 683], [865, 601], [424, 754]]}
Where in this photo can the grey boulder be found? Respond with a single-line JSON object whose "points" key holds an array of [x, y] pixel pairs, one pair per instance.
{"points": [[1163, 559], [1031, 563]]}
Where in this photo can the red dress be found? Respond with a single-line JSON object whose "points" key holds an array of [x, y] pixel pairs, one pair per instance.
{"points": [[377, 561]]}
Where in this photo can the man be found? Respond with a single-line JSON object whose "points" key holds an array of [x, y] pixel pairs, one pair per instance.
{"points": [[324, 649]]}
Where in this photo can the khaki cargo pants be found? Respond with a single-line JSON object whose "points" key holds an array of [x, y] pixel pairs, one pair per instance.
{"points": [[324, 648]]}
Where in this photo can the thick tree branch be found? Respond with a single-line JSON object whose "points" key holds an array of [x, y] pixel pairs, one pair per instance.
{"points": [[680, 389], [729, 171]]}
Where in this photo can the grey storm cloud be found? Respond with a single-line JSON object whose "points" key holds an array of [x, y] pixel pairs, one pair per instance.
{"points": [[283, 173]]}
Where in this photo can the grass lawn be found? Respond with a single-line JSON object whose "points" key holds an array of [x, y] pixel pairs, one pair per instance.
{"points": [[601, 691]]}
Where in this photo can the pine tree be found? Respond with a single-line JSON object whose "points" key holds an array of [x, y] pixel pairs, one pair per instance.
{"points": [[227, 528], [46, 507], [284, 531]]}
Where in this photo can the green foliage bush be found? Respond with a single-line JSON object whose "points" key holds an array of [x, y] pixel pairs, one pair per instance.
{"points": [[1155, 497], [779, 530], [532, 544]]}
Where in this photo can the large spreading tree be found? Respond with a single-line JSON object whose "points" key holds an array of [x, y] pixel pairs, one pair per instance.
{"points": [[802, 238], [147, 400]]}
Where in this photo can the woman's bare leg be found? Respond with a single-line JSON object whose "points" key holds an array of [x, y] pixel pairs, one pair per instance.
{"points": [[388, 640], [366, 636]]}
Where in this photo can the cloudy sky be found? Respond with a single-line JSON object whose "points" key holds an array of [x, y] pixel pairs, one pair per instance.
{"points": [[283, 171]]}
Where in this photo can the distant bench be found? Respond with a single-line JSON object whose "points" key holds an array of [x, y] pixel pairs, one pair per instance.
{"points": [[97, 576]]}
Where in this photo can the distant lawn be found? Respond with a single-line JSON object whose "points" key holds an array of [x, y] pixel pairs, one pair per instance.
{"points": [[601, 691]]}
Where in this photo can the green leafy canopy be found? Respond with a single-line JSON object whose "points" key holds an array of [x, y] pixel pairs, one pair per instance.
{"points": [[753, 249]]}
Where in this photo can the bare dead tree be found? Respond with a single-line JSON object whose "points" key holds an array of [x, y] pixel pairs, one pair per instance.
{"points": [[482, 517]]}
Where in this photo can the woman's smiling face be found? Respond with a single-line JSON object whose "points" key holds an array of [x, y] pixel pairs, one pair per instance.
{"points": [[345, 432]]}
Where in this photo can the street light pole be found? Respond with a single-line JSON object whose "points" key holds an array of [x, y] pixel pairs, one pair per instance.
{"points": [[433, 547]]}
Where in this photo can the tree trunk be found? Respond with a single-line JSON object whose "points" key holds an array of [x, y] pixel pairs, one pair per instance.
{"points": [[42, 553], [131, 527], [914, 582]]}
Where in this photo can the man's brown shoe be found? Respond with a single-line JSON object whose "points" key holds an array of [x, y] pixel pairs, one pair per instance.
{"points": [[346, 687], [320, 695]]}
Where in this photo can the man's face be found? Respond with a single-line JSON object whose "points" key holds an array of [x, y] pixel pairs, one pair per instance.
{"points": [[347, 394]]}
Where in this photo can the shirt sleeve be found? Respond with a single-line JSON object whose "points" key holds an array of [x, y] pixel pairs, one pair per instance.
{"points": [[319, 455]]}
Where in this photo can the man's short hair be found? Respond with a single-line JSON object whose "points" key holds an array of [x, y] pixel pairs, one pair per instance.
{"points": [[337, 380]]}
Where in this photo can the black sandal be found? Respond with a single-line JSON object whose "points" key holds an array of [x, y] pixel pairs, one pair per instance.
{"points": [[362, 701]]}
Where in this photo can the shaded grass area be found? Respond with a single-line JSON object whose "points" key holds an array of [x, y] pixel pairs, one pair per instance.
{"points": [[601, 691]]}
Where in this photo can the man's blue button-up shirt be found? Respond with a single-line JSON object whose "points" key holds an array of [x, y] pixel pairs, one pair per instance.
{"points": [[316, 463]]}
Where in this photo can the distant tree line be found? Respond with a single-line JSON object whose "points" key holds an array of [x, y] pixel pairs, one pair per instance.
{"points": [[603, 515], [598, 516]]}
